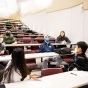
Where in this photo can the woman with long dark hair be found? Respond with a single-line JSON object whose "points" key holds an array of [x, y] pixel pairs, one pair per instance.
{"points": [[62, 39], [16, 69]]}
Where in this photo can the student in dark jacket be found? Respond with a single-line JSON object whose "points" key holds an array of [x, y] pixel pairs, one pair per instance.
{"points": [[62, 39], [2, 49], [2, 52], [48, 47], [80, 61]]}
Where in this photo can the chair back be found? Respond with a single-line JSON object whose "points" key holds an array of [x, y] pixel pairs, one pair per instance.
{"points": [[36, 47], [51, 71], [68, 58], [30, 63], [39, 39], [26, 40], [32, 60], [6, 52]]}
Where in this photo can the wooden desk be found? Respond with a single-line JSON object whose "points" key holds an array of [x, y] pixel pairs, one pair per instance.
{"points": [[28, 56], [61, 80]]}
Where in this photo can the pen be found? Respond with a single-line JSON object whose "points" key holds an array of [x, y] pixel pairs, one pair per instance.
{"points": [[74, 74]]}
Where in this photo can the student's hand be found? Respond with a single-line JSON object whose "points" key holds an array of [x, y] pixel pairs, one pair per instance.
{"points": [[75, 69], [61, 66], [2, 52], [14, 43], [33, 76], [3, 43]]}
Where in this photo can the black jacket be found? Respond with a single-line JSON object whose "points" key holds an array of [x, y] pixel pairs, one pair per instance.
{"points": [[2, 47], [80, 62]]}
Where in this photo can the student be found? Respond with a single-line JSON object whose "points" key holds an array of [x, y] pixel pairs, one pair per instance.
{"points": [[48, 47], [8, 38], [62, 39], [2, 49], [16, 69], [2, 52], [80, 60], [1, 38]]}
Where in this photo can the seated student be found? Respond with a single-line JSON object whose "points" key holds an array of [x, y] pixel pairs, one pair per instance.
{"points": [[80, 60], [2, 49], [1, 38], [62, 39], [2, 52], [8, 38], [48, 47], [17, 29], [16, 69], [13, 28]]}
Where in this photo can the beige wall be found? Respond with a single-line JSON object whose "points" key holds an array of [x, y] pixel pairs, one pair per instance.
{"points": [[85, 5], [15, 16], [63, 4]]}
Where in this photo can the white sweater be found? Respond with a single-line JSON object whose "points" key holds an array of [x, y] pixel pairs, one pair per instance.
{"points": [[15, 75]]}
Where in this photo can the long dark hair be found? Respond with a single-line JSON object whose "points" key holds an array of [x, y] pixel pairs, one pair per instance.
{"points": [[18, 63], [61, 36]]}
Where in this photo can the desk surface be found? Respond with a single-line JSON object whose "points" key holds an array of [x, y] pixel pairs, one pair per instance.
{"points": [[12, 45], [61, 80], [31, 35], [28, 56]]}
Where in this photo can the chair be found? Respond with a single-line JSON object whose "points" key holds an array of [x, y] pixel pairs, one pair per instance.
{"points": [[52, 40], [19, 46], [67, 57], [20, 35], [31, 63], [6, 52], [39, 39], [65, 54], [26, 40], [32, 36], [35, 48], [51, 71], [40, 36]]}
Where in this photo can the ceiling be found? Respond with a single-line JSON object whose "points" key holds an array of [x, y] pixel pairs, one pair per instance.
{"points": [[10, 8]]}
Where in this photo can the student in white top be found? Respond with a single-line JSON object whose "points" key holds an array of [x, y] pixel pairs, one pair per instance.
{"points": [[16, 69]]}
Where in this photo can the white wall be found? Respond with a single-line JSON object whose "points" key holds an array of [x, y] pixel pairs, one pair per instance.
{"points": [[86, 26], [73, 21], [77, 24]]}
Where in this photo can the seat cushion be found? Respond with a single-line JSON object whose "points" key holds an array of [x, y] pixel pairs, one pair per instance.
{"points": [[31, 65]]}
